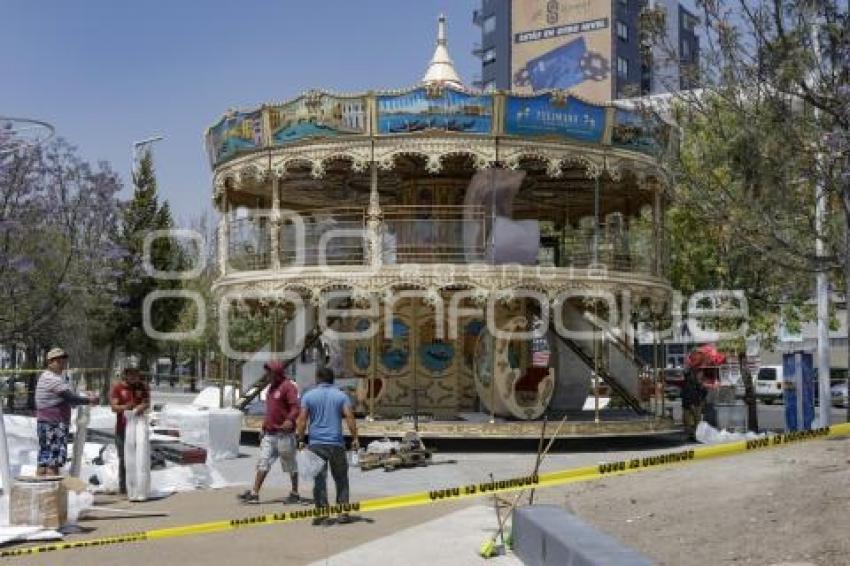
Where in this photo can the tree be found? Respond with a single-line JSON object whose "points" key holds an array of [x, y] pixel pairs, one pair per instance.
{"points": [[768, 122], [123, 320], [56, 212]]}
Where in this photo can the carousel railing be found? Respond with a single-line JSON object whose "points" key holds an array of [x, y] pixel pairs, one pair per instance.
{"points": [[340, 232], [249, 244], [434, 234], [425, 234], [621, 252]]}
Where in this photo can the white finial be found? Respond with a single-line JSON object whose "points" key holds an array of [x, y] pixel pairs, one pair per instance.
{"points": [[441, 31], [441, 70]]}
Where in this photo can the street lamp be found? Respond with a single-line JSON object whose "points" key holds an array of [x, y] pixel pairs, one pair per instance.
{"points": [[136, 147]]}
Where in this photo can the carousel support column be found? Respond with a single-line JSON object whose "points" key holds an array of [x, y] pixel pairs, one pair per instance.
{"points": [[223, 236], [275, 223], [597, 353], [596, 222], [662, 375], [655, 372], [414, 369], [374, 221], [656, 231], [493, 371], [373, 369]]}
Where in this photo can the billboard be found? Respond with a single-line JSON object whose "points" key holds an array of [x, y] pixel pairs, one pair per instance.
{"points": [[542, 116], [562, 44]]}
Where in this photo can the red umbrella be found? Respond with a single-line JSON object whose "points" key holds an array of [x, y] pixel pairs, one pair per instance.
{"points": [[705, 356]]}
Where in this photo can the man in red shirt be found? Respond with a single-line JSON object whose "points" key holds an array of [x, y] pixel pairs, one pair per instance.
{"points": [[131, 393], [278, 440]]}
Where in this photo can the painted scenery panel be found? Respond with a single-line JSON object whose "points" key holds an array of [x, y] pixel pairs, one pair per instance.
{"points": [[317, 117], [452, 111], [636, 131], [539, 116], [240, 131]]}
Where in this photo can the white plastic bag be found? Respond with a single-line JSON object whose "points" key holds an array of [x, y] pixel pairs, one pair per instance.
{"points": [[353, 457], [309, 463]]}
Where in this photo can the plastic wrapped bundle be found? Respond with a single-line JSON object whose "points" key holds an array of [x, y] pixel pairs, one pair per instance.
{"points": [[225, 428], [217, 430], [192, 422], [210, 397]]}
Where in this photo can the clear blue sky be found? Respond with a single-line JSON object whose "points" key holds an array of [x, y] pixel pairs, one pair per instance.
{"points": [[106, 73]]}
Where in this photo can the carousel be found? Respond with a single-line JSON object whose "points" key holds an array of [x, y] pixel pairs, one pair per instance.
{"points": [[469, 263]]}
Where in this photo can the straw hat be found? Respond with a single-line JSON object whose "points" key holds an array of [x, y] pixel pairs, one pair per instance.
{"points": [[56, 353]]}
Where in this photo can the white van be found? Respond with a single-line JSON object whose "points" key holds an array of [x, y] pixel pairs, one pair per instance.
{"points": [[769, 384]]}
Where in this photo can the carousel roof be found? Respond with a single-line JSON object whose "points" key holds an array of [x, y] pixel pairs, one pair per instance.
{"points": [[439, 107], [441, 69]]}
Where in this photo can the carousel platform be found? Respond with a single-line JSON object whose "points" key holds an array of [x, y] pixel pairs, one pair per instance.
{"points": [[477, 426]]}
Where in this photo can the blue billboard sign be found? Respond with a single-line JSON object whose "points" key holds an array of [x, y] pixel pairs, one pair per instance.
{"points": [[540, 116]]}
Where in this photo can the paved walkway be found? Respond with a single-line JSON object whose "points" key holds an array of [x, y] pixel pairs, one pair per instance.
{"points": [[453, 539]]}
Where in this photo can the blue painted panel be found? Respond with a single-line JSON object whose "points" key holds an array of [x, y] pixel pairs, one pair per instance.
{"points": [[538, 116], [437, 357], [633, 130], [396, 351], [241, 131], [453, 111], [318, 116]]}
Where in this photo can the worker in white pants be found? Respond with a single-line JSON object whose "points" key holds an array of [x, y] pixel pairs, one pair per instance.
{"points": [[137, 456]]}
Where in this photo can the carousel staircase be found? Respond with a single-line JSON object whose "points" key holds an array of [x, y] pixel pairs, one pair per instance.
{"points": [[620, 370], [310, 340]]}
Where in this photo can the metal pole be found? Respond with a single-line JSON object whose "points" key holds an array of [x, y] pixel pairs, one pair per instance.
{"points": [[825, 402], [5, 464], [225, 373]]}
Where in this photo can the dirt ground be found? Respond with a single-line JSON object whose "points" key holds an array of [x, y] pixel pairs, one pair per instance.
{"points": [[790, 505]]}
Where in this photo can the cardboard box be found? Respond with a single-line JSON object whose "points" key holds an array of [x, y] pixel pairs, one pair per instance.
{"points": [[38, 502]]}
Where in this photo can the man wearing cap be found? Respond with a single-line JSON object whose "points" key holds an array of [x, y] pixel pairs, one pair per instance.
{"points": [[53, 401], [131, 393], [278, 440]]}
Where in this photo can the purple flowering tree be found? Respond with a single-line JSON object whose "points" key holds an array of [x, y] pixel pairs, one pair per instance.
{"points": [[57, 225]]}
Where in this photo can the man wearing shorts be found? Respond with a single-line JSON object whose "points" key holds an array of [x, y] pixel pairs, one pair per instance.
{"points": [[278, 439], [53, 401]]}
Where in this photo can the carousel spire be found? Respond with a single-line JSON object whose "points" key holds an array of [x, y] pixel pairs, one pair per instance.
{"points": [[441, 69]]}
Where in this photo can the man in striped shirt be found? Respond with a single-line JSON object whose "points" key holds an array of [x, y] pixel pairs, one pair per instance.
{"points": [[53, 401]]}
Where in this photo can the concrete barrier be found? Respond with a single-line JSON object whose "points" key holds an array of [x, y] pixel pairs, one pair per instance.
{"points": [[547, 535]]}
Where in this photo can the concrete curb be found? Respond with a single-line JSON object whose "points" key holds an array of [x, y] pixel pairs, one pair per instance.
{"points": [[547, 535]]}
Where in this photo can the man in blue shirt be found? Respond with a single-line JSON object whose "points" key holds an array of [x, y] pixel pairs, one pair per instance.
{"points": [[325, 407]]}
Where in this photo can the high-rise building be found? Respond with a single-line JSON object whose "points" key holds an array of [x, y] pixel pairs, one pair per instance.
{"points": [[598, 49]]}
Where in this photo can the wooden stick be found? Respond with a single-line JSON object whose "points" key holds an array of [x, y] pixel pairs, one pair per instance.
{"points": [[127, 512], [537, 463], [537, 466]]}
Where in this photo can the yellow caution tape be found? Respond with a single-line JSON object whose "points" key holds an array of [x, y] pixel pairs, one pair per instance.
{"points": [[549, 479]]}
